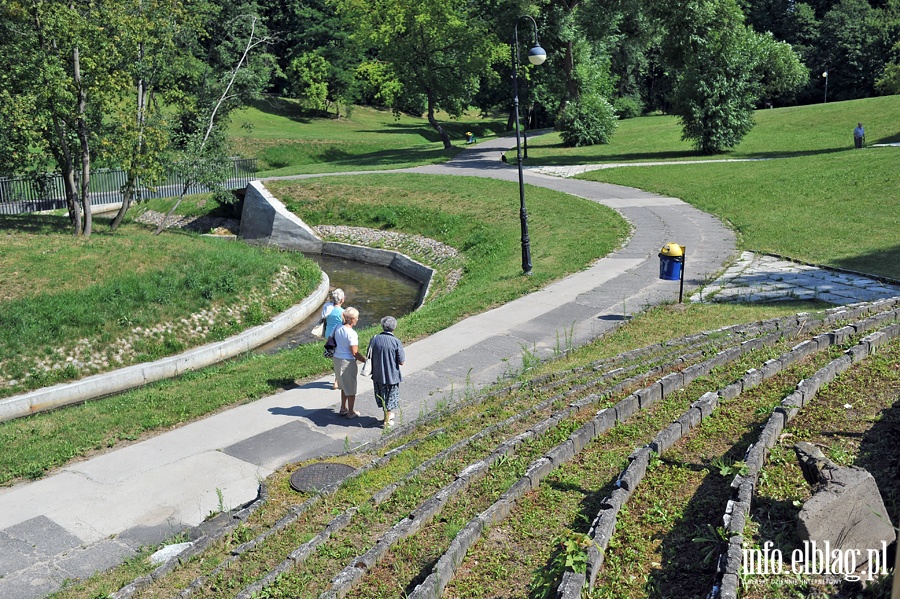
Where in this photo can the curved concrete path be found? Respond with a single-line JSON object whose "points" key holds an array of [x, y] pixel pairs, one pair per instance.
{"points": [[93, 514]]}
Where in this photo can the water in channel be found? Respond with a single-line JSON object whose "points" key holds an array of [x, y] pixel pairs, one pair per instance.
{"points": [[376, 291]]}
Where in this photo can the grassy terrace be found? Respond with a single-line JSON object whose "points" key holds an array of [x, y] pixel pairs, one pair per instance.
{"points": [[658, 538], [663, 536]]}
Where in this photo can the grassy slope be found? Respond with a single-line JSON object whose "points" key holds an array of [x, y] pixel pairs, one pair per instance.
{"points": [[818, 201], [288, 142]]}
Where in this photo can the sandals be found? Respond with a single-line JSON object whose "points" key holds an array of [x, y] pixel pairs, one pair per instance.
{"points": [[353, 414], [342, 412]]}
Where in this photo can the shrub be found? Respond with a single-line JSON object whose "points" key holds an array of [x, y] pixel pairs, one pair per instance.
{"points": [[628, 107], [587, 121]]}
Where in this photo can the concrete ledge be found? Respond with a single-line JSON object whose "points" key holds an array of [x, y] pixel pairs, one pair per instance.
{"points": [[266, 221], [123, 379]]}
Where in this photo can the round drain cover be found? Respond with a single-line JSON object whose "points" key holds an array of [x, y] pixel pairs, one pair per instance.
{"points": [[318, 476]]}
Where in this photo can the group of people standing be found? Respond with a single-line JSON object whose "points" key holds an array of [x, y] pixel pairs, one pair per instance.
{"points": [[385, 356]]}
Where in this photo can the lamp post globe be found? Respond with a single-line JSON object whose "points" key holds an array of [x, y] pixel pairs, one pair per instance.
{"points": [[536, 56]]}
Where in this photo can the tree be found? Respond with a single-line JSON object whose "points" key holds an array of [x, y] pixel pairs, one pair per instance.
{"points": [[301, 27], [889, 82], [138, 138], [204, 144], [70, 54], [436, 48], [854, 49], [720, 65], [308, 74]]}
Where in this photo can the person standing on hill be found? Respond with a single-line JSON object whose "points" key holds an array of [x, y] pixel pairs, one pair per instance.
{"points": [[387, 356], [859, 136]]}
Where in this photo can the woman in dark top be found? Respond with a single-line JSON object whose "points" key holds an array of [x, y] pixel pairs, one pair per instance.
{"points": [[387, 357]]}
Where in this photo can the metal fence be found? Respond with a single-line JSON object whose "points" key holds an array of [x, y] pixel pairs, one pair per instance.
{"points": [[47, 192]]}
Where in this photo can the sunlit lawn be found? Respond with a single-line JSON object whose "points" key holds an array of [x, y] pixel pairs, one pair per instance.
{"points": [[287, 141]]}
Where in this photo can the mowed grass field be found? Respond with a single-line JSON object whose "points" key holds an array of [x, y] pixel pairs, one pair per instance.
{"points": [[287, 141], [807, 195]]}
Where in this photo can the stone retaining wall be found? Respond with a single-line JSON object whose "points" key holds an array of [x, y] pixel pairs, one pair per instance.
{"points": [[738, 508]]}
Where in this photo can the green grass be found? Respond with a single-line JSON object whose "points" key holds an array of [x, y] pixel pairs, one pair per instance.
{"points": [[840, 210], [70, 307], [287, 141], [816, 201], [779, 132]]}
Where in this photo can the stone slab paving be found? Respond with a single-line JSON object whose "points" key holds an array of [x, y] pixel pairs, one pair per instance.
{"points": [[763, 278]]}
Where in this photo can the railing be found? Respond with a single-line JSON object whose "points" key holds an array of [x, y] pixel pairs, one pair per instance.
{"points": [[47, 192]]}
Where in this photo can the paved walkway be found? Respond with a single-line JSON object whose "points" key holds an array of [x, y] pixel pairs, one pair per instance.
{"points": [[94, 514]]}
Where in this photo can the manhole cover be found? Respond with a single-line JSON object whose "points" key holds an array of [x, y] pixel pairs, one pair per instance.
{"points": [[318, 476]]}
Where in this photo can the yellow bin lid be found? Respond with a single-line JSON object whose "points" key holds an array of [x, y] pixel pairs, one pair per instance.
{"points": [[672, 249]]}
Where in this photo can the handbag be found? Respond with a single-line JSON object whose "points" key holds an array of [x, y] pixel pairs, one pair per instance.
{"points": [[318, 331], [330, 346], [366, 369]]}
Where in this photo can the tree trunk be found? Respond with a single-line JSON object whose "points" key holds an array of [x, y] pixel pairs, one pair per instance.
{"points": [[131, 180], [67, 168], [85, 144], [445, 137], [569, 70]]}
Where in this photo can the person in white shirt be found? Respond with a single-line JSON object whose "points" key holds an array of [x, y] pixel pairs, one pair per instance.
{"points": [[346, 355]]}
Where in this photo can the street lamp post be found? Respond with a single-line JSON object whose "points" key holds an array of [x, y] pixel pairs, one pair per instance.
{"points": [[825, 74], [536, 56]]}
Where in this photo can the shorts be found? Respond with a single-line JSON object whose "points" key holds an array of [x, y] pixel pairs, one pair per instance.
{"points": [[345, 373]]}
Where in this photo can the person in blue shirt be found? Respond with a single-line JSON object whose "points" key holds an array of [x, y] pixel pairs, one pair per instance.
{"points": [[332, 311], [387, 356], [859, 136], [332, 314]]}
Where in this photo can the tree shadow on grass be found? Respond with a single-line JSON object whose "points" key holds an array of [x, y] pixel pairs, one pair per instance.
{"points": [[283, 108], [35, 223], [881, 263], [673, 156]]}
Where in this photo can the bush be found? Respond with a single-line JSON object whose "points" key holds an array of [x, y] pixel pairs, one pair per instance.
{"points": [[628, 107], [587, 121]]}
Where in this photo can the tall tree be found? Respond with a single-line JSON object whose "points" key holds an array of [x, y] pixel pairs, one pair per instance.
{"points": [[437, 49], [204, 160], [721, 67], [61, 61], [303, 28]]}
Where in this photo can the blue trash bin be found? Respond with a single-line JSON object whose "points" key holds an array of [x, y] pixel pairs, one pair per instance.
{"points": [[669, 268], [671, 259]]}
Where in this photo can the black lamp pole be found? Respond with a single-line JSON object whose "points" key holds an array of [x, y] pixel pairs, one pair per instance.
{"points": [[536, 56]]}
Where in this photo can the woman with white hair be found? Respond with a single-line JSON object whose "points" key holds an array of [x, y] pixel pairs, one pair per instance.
{"points": [[346, 355], [332, 316], [387, 355]]}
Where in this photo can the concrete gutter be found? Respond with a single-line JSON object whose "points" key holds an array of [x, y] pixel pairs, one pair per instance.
{"points": [[130, 377], [264, 221]]}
